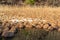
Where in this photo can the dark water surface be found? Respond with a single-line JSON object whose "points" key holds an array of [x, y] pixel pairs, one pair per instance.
{"points": [[34, 35]]}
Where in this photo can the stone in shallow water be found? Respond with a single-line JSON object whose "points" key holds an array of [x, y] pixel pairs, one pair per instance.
{"points": [[8, 34]]}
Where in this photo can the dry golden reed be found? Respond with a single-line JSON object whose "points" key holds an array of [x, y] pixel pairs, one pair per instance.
{"points": [[50, 14]]}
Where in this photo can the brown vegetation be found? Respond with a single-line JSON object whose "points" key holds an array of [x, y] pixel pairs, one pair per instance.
{"points": [[43, 18]]}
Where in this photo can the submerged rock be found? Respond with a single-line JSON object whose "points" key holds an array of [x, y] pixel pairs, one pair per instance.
{"points": [[8, 34]]}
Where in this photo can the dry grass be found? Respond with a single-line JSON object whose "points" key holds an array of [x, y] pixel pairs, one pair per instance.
{"points": [[50, 14]]}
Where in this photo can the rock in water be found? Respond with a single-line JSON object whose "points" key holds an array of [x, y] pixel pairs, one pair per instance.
{"points": [[8, 34]]}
